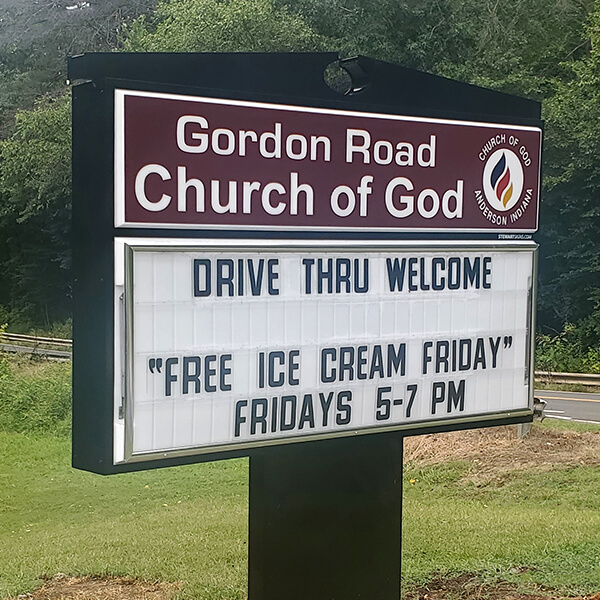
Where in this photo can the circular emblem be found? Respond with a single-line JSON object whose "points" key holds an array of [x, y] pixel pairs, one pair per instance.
{"points": [[503, 179]]}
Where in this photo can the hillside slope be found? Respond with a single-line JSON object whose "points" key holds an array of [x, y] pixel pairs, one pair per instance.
{"points": [[36, 36]]}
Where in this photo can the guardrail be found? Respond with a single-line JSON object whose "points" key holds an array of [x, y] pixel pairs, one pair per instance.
{"points": [[62, 349], [54, 348], [573, 378], [34, 339]]}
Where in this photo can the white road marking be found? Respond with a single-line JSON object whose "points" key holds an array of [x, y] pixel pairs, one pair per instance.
{"points": [[574, 420]]}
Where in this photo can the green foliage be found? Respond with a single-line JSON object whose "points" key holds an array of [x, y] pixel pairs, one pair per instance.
{"points": [[513, 45], [570, 228], [36, 160], [220, 26], [35, 212], [542, 49], [35, 167], [62, 330], [36, 38], [545, 49], [560, 353], [591, 361], [566, 352], [35, 397]]}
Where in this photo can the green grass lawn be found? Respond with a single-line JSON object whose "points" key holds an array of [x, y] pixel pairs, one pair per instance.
{"points": [[184, 524], [189, 524], [548, 522]]}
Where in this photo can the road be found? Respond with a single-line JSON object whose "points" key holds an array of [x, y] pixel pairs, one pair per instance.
{"points": [[583, 407]]}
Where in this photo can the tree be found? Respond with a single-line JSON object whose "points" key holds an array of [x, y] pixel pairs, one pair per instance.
{"points": [[36, 38], [220, 26], [35, 167], [537, 48], [515, 45], [571, 209], [35, 207]]}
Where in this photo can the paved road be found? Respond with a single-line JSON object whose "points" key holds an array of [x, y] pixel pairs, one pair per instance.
{"points": [[571, 406]]}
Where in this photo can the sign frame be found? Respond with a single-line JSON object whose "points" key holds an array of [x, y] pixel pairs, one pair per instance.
{"points": [[291, 79], [124, 346]]}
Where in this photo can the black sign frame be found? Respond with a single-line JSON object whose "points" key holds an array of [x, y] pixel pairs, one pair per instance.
{"points": [[295, 79]]}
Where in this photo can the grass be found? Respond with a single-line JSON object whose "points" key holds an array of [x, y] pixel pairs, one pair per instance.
{"points": [[549, 522], [35, 396], [567, 387], [182, 524], [563, 425], [189, 523]]}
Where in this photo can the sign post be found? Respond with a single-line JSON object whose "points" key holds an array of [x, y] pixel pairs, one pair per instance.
{"points": [[299, 277], [326, 520]]}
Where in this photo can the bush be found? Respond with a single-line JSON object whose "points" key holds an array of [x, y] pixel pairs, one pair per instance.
{"points": [[35, 397], [14, 322], [591, 361], [566, 352], [61, 330]]}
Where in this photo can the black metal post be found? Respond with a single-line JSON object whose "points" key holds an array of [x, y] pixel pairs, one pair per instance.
{"points": [[325, 520]]}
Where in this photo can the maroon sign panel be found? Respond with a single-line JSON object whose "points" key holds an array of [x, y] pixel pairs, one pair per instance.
{"points": [[192, 162]]}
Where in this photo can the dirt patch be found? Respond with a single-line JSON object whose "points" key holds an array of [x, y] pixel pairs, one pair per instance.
{"points": [[63, 587], [499, 449], [469, 586]]}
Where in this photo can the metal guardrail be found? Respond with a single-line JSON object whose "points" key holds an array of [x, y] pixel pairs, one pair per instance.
{"points": [[54, 348], [62, 349], [572, 378], [35, 340]]}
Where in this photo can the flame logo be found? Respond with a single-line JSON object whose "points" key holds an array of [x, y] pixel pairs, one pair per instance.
{"points": [[501, 181]]}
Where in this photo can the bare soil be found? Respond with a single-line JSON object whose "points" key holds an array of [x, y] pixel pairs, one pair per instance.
{"points": [[63, 587], [496, 451], [469, 586]]}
